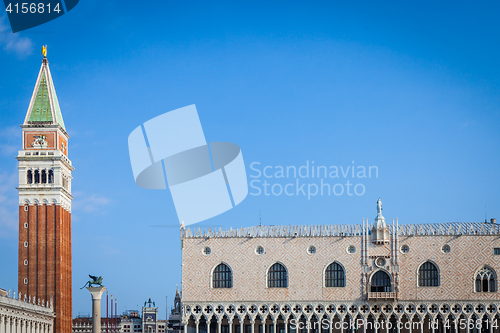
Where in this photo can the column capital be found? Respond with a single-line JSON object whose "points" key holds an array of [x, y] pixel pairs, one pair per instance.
{"points": [[96, 292]]}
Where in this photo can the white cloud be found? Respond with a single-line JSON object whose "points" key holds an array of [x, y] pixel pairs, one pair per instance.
{"points": [[9, 132], [13, 42], [10, 140], [9, 204], [89, 204]]}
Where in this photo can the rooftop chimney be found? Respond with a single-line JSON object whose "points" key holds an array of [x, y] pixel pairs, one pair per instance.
{"points": [[493, 221]]}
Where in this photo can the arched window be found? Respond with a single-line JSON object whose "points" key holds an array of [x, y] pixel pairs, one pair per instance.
{"points": [[428, 275], [222, 277], [44, 176], [486, 280], [30, 177], [51, 176], [37, 176], [381, 282], [334, 275], [277, 276]]}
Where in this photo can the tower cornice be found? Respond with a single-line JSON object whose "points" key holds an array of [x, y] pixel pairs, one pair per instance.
{"points": [[48, 126], [38, 158]]}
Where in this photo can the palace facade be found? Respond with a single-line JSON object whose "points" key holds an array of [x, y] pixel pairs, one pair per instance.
{"points": [[23, 314], [399, 278]]}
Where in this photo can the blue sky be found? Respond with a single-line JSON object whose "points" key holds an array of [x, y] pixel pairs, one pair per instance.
{"points": [[412, 88]]}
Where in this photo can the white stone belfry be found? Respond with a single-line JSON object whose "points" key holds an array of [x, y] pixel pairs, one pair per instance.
{"points": [[380, 231], [96, 293]]}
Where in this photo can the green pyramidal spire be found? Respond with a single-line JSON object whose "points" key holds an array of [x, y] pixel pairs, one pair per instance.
{"points": [[44, 107]]}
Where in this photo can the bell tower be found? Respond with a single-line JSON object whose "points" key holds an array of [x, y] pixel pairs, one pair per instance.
{"points": [[44, 270]]}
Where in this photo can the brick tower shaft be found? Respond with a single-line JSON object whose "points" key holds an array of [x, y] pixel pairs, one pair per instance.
{"points": [[44, 271]]}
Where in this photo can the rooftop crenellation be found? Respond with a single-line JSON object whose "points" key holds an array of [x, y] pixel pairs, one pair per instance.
{"points": [[345, 230]]}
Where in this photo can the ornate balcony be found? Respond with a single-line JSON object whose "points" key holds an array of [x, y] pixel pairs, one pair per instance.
{"points": [[382, 295]]}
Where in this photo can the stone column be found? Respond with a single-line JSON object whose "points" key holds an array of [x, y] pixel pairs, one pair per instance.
{"points": [[96, 293]]}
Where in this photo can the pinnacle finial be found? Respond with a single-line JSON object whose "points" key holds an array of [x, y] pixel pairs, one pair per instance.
{"points": [[44, 51], [379, 207]]}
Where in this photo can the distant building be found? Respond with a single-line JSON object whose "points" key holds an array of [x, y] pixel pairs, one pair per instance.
{"points": [[174, 324], [128, 322], [131, 322], [25, 314], [83, 324], [150, 321]]}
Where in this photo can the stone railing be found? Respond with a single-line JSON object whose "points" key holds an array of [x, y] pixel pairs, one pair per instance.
{"points": [[382, 295], [26, 299]]}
